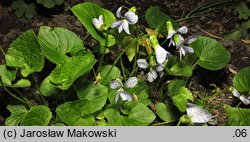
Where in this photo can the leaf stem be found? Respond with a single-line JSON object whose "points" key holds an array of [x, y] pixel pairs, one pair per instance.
{"points": [[1, 49], [123, 70]]}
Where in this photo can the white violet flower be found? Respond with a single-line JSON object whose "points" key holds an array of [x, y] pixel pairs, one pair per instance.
{"points": [[118, 85], [243, 98], [154, 69], [98, 23], [129, 18], [198, 114]]}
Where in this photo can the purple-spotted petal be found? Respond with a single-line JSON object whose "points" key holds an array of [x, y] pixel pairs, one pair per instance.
{"points": [[142, 63], [182, 30], [131, 17], [119, 13], [126, 96], [198, 114], [115, 84], [117, 24], [131, 82], [191, 39]]}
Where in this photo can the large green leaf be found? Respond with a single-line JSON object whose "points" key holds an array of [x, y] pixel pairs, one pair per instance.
{"points": [[157, 19], [70, 114], [17, 114], [24, 53], [241, 81], [55, 43], [113, 116], [108, 73], [167, 113], [237, 116], [212, 54], [37, 115], [65, 74], [46, 88], [138, 114], [142, 91], [95, 96], [178, 68], [86, 12], [179, 94]]}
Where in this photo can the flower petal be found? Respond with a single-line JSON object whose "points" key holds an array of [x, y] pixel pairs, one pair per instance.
{"points": [[126, 96], [244, 99], [171, 43], [96, 23], [131, 82], [182, 40], [198, 114], [119, 13], [191, 39], [170, 34], [117, 96], [142, 63], [152, 75], [117, 24], [115, 84], [159, 67], [125, 26], [131, 17], [182, 30], [161, 54], [188, 49]]}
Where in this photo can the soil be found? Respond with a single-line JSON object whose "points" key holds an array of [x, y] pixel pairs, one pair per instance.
{"points": [[215, 23]]}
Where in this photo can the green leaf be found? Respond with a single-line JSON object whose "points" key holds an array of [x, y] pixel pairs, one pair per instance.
{"points": [[65, 74], [23, 9], [9, 76], [241, 81], [46, 88], [236, 35], [17, 114], [212, 54], [113, 116], [108, 73], [178, 68], [87, 11], [138, 114], [37, 115], [179, 94], [56, 43], [142, 91], [157, 20], [50, 3], [237, 116], [24, 53], [70, 114], [167, 113], [95, 96], [130, 44]]}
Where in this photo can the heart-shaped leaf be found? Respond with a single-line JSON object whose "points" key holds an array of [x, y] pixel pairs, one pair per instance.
{"points": [[113, 116], [24, 53], [17, 114], [167, 113], [108, 73], [241, 81], [212, 54], [70, 114], [56, 43]]}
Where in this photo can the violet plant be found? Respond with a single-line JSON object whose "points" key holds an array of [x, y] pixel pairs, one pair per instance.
{"points": [[98, 84]]}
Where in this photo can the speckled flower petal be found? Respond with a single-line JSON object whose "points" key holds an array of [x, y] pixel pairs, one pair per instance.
{"points": [[191, 39], [161, 54], [117, 24], [119, 12], [115, 84], [126, 96], [142, 63], [182, 30], [244, 99], [236, 93], [198, 114], [131, 82], [131, 17], [152, 75]]}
